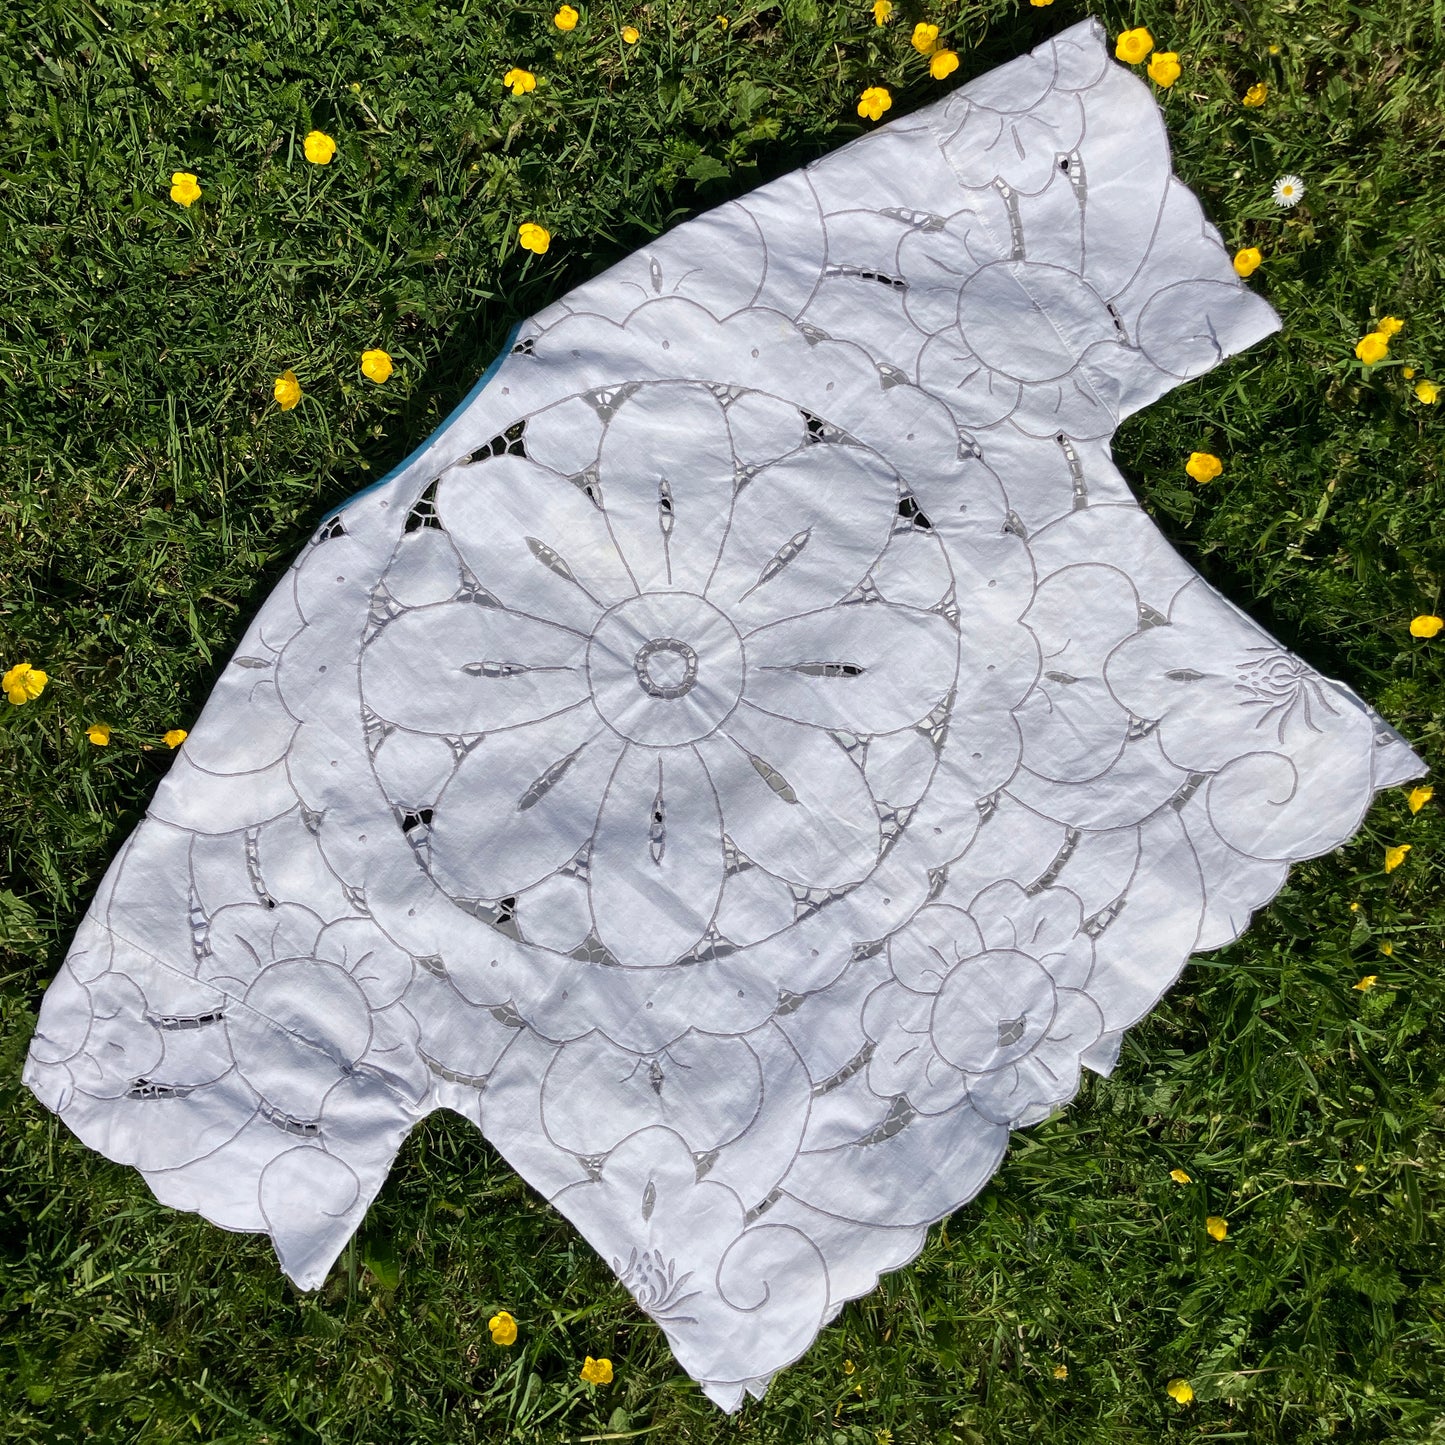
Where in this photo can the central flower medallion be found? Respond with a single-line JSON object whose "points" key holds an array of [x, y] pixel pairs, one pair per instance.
{"points": [[665, 668]]}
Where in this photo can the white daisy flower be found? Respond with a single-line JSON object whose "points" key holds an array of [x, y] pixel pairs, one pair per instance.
{"points": [[1288, 191]]}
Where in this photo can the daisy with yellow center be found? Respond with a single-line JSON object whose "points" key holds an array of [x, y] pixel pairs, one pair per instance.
{"points": [[1133, 45], [23, 683], [925, 38], [375, 365], [1247, 261], [99, 734], [1257, 94], [287, 390], [185, 190], [319, 148], [566, 18], [519, 81], [942, 63], [1203, 466], [1288, 191], [533, 237], [1164, 68]]}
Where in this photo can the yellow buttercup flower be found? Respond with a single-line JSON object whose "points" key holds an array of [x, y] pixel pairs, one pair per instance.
{"points": [[1388, 949], [23, 683], [1256, 94], [1179, 1390], [925, 38], [287, 390], [1408, 372], [99, 734], [319, 148], [1164, 68], [1395, 856], [1180, 1177], [175, 737], [1203, 466], [597, 1372], [1061, 1372], [375, 365], [1215, 1227], [849, 1367], [503, 1328], [873, 102], [534, 237], [1247, 261], [1427, 391], [1418, 798], [1133, 45], [1372, 347], [1366, 983], [1354, 907], [882, 11], [942, 63], [723, 22], [631, 35], [185, 190], [519, 81], [566, 18], [1390, 326], [1426, 625], [1039, 4]]}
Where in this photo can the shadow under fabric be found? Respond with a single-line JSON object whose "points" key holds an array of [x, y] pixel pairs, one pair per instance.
{"points": [[749, 759]]}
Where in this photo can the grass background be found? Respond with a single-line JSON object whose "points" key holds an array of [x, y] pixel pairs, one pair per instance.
{"points": [[151, 493]]}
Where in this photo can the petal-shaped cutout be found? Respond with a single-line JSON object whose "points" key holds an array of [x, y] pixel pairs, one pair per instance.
{"points": [[861, 669], [532, 827], [804, 532], [533, 540], [793, 800], [666, 473], [657, 861], [459, 668]]}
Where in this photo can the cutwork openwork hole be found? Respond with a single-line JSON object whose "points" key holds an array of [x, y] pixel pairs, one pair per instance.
{"points": [[665, 667]]}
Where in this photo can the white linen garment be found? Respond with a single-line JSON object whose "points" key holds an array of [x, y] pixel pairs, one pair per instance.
{"points": [[748, 759]]}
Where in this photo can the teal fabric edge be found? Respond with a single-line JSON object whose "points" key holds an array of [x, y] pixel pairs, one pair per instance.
{"points": [[492, 367]]}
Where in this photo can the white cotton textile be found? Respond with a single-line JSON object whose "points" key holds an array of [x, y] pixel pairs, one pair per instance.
{"points": [[748, 759]]}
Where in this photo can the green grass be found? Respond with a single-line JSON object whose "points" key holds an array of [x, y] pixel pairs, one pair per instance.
{"points": [[151, 493]]}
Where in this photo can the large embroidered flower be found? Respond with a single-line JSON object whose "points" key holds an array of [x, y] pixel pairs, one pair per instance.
{"points": [[659, 673], [986, 1004]]}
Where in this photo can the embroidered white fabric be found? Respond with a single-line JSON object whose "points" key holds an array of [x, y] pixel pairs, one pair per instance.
{"points": [[748, 759]]}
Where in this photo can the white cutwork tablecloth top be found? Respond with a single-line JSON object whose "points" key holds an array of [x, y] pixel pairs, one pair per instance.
{"points": [[749, 759]]}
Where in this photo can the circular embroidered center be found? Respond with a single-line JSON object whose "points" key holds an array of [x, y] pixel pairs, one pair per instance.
{"points": [[649, 685], [665, 667]]}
